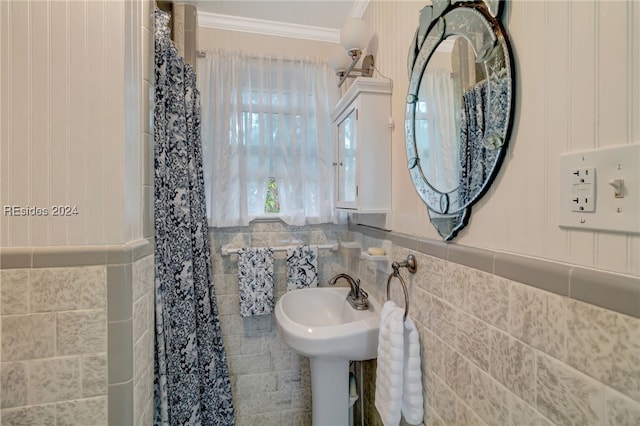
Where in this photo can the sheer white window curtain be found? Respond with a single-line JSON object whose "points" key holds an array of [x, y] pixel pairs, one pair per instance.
{"points": [[267, 118], [438, 126]]}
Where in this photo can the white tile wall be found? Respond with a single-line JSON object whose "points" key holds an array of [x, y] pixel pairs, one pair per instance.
{"points": [[53, 344], [143, 340], [499, 352], [270, 383]]}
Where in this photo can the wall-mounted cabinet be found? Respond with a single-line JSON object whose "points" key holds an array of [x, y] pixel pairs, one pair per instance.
{"points": [[362, 122]]}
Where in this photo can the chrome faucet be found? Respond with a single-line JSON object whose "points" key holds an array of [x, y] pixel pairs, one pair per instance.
{"points": [[357, 297]]}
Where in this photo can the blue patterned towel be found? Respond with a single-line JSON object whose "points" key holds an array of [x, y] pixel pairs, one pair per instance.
{"points": [[302, 267], [255, 281]]}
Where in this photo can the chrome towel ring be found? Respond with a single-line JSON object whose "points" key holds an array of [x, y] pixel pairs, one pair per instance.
{"points": [[410, 264]]}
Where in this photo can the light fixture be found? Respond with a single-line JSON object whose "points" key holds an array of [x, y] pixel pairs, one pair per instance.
{"points": [[354, 37]]}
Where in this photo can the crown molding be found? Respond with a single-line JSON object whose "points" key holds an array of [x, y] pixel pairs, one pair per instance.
{"points": [[274, 28]]}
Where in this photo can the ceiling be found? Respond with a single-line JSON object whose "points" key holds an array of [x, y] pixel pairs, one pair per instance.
{"points": [[309, 19]]}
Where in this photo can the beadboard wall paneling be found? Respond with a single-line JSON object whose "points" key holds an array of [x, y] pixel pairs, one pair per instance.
{"points": [[77, 109], [577, 88], [60, 67], [633, 35], [4, 134], [393, 26], [556, 106], [146, 116], [582, 109], [15, 82], [72, 85]]}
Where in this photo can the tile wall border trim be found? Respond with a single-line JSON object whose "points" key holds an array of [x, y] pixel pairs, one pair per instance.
{"points": [[609, 290], [68, 256]]}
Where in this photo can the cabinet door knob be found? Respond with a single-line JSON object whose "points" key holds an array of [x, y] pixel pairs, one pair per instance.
{"points": [[334, 164], [341, 164]]}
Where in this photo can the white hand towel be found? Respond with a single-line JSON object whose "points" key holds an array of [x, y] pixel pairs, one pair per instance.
{"points": [[390, 368], [398, 375], [255, 281], [302, 267], [412, 398]]}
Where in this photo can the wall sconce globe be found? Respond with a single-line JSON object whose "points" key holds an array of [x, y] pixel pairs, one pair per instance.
{"points": [[354, 34]]}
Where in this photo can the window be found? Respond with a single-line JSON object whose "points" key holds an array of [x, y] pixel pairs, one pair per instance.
{"points": [[267, 138]]}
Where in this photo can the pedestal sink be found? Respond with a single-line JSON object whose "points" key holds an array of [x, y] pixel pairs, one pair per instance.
{"points": [[320, 324]]}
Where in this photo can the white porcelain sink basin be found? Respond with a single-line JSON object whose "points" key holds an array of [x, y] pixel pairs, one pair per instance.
{"points": [[320, 322]]}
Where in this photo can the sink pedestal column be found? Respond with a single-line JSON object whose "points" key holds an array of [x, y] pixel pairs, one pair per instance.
{"points": [[330, 391]]}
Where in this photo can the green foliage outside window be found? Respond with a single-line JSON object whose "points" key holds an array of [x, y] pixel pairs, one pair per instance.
{"points": [[272, 204]]}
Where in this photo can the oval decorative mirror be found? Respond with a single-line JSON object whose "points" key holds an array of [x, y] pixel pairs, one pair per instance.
{"points": [[459, 107]]}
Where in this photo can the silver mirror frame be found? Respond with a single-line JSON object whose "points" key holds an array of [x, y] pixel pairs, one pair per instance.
{"points": [[450, 212]]}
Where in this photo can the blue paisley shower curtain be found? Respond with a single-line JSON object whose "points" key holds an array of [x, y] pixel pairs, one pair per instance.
{"points": [[484, 113], [192, 384]]}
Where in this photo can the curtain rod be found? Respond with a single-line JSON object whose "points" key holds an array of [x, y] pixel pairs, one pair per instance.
{"points": [[252, 55], [226, 250]]}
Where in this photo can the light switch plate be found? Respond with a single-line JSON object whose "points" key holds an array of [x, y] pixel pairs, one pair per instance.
{"points": [[588, 176]]}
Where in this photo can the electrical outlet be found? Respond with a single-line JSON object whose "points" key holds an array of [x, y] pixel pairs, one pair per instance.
{"points": [[600, 189], [583, 194]]}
